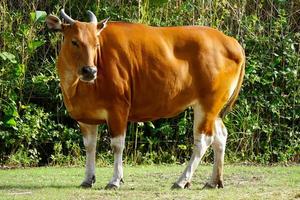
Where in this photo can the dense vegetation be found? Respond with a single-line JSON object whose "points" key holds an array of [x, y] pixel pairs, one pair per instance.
{"points": [[35, 128]]}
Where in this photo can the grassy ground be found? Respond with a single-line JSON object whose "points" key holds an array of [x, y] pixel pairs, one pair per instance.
{"points": [[151, 182]]}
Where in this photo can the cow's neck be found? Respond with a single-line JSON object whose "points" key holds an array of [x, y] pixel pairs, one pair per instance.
{"points": [[72, 88], [68, 81]]}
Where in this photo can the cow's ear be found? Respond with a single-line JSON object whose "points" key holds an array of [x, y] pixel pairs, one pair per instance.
{"points": [[101, 25], [54, 23]]}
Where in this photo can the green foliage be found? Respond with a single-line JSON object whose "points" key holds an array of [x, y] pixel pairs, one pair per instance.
{"points": [[35, 128], [73, 157]]}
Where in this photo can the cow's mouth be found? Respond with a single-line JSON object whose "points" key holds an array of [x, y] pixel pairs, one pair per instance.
{"points": [[87, 79], [88, 74]]}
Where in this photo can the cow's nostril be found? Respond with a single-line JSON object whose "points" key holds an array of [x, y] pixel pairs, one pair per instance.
{"points": [[86, 70]]}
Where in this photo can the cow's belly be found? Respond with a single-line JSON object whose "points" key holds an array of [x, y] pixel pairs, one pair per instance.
{"points": [[89, 116], [154, 114], [160, 106]]}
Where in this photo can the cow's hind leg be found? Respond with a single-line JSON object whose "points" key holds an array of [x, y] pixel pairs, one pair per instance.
{"points": [[219, 144], [201, 142], [89, 139]]}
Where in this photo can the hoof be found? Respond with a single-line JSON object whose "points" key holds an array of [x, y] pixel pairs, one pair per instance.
{"points": [[88, 184], [111, 187], [213, 186], [175, 186], [187, 185], [220, 184]]}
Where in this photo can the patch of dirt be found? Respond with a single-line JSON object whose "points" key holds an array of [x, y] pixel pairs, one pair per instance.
{"points": [[240, 180], [19, 192]]}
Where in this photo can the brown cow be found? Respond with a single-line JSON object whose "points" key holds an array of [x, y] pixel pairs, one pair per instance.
{"points": [[116, 72]]}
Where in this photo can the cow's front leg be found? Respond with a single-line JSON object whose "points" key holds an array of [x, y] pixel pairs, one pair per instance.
{"points": [[117, 145], [89, 133], [117, 124]]}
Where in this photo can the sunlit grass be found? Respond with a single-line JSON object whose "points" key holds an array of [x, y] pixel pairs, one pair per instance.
{"points": [[151, 182]]}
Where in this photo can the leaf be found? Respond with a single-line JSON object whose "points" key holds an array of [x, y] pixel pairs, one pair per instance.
{"points": [[20, 70], [15, 113], [182, 147], [10, 122], [32, 16], [33, 45], [23, 107], [11, 111], [8, 56], [38, 16], [3, 56], [13, 98], [24, 29], [40, 79], [151, 125]]}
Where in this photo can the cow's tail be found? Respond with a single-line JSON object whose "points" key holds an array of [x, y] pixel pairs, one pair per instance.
{"points": [[236, 91]]}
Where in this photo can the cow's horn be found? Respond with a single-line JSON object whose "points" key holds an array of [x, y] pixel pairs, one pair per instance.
{"points": [[67, 17], [93, 18]]}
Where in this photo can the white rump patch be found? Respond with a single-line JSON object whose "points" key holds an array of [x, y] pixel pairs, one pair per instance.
{"points": [[198, 117], [233, 86]]}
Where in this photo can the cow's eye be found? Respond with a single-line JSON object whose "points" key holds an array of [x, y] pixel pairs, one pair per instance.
{"points": [[75, 43]]}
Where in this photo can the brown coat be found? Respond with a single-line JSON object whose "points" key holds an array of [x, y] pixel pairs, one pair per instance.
{"points": [[146, 73]]}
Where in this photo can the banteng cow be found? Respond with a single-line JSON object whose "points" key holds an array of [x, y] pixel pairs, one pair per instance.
{"points": [[115, 72]]}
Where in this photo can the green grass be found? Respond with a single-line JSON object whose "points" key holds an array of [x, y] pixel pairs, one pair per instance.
{"points": [[151, 182]]}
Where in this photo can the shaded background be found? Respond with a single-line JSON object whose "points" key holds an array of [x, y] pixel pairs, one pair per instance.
{"points": [[35, 128]]}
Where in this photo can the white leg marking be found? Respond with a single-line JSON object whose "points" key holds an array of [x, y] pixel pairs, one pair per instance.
{"points": [[90, 141], [233, 86], [201, 143], [219, 145], [90, 144], [118, 145]]}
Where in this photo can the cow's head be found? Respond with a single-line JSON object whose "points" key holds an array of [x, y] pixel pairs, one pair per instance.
{"points": [[80, 43]]}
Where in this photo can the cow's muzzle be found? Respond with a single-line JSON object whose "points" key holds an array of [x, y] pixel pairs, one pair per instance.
{"points": [[88, 73]]}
